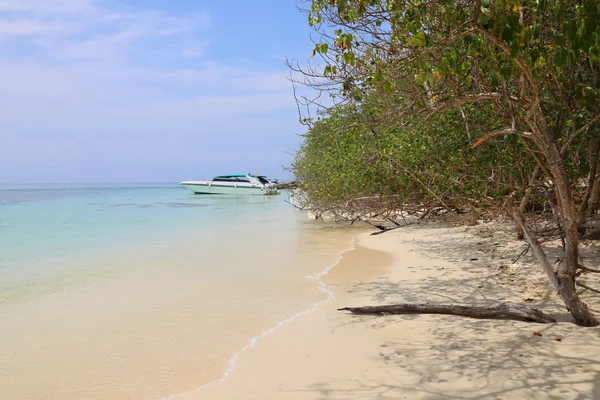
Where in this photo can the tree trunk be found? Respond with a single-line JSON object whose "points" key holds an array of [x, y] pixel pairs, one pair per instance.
{"points": [[568, 266], [585, 203], [594, 205], [501, 310], [537, 248], [526, 199]]}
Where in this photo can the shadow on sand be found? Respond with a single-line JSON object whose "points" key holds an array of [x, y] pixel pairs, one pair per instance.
{"points": [[448, 357]]}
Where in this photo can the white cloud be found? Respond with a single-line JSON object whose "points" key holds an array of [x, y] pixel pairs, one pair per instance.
{"points": [[81, 77], [79, 49], [25, 27], [59, 28], [47, 7]]}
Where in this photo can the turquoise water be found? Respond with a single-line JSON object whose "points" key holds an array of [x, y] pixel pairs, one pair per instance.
{"points": [[42, 227], [144, 291], [54, 221]]}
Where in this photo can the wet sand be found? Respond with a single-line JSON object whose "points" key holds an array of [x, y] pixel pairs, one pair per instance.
{"points": [[334, 355], [149, 320]]}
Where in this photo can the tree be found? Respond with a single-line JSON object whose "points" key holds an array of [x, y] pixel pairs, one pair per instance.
{"points": [[360, 168], [532, 64]]}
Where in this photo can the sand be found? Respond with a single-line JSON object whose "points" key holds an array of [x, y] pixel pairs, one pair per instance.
{"points": [[335, 355]]}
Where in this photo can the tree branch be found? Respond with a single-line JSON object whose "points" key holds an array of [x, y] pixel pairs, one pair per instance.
{"points": [[588, 269], [464, 117], [520, 63], [474, 98], [591, 289], [578, 131], [505, 131]]}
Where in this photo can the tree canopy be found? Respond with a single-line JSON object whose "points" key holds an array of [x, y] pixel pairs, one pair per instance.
{"points": [[467, 105]]}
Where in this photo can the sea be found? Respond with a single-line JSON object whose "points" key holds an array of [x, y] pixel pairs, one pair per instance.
{"points": [[147, 291]]}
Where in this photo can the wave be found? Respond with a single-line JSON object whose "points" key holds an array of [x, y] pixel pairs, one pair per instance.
{"points": [[255, 340]]}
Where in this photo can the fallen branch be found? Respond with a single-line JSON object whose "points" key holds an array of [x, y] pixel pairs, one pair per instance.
{"points": [[505, 309], [430, 211], [384, 230], [394, 222], [522, 253]]}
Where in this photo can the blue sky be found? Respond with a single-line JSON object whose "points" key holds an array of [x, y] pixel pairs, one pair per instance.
{"points": [[147, 90]]}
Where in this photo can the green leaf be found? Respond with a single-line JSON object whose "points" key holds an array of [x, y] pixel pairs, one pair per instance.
{"points": [[388, 87], [513, 22], [527, 34], [514, 48], [417, 39], [541, 61], [348, 57], [536, 73], [506, 72], [412, 27], [594, 55], [508, 34], [590, 6], [420, 78], [561, 58], [570, 30], [559, 41]]}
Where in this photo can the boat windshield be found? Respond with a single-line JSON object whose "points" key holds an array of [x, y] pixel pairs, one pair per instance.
{"points": [[263, 180], [225, 178]]}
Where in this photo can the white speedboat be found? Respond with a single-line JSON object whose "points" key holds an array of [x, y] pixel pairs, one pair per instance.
{"points": [[232, 184]]}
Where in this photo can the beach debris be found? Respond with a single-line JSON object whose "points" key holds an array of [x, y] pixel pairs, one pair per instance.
{"points": [[536, 334], [504, 309], [384, 230]]}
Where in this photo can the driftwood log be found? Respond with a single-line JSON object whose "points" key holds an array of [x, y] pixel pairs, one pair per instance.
{"points": [[384, 230], [501, 310]]}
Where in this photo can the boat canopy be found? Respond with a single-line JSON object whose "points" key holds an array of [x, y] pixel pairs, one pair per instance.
{"points": [[232, 176], [241, 178]]}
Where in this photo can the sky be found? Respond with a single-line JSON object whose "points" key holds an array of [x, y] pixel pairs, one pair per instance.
{"points": [[147, 90]]}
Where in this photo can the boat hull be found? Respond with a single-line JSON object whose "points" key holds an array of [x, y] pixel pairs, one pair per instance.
{"points": [[226, 188]]}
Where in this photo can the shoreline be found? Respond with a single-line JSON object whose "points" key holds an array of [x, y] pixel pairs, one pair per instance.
{"points": [[254, 341], [329, 354], [152, 318]]}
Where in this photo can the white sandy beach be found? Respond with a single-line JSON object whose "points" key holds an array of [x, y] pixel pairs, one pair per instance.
{"points": [[335, 355]]}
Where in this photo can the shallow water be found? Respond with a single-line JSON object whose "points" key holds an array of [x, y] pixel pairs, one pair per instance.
{"points": [[146, 291]]}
